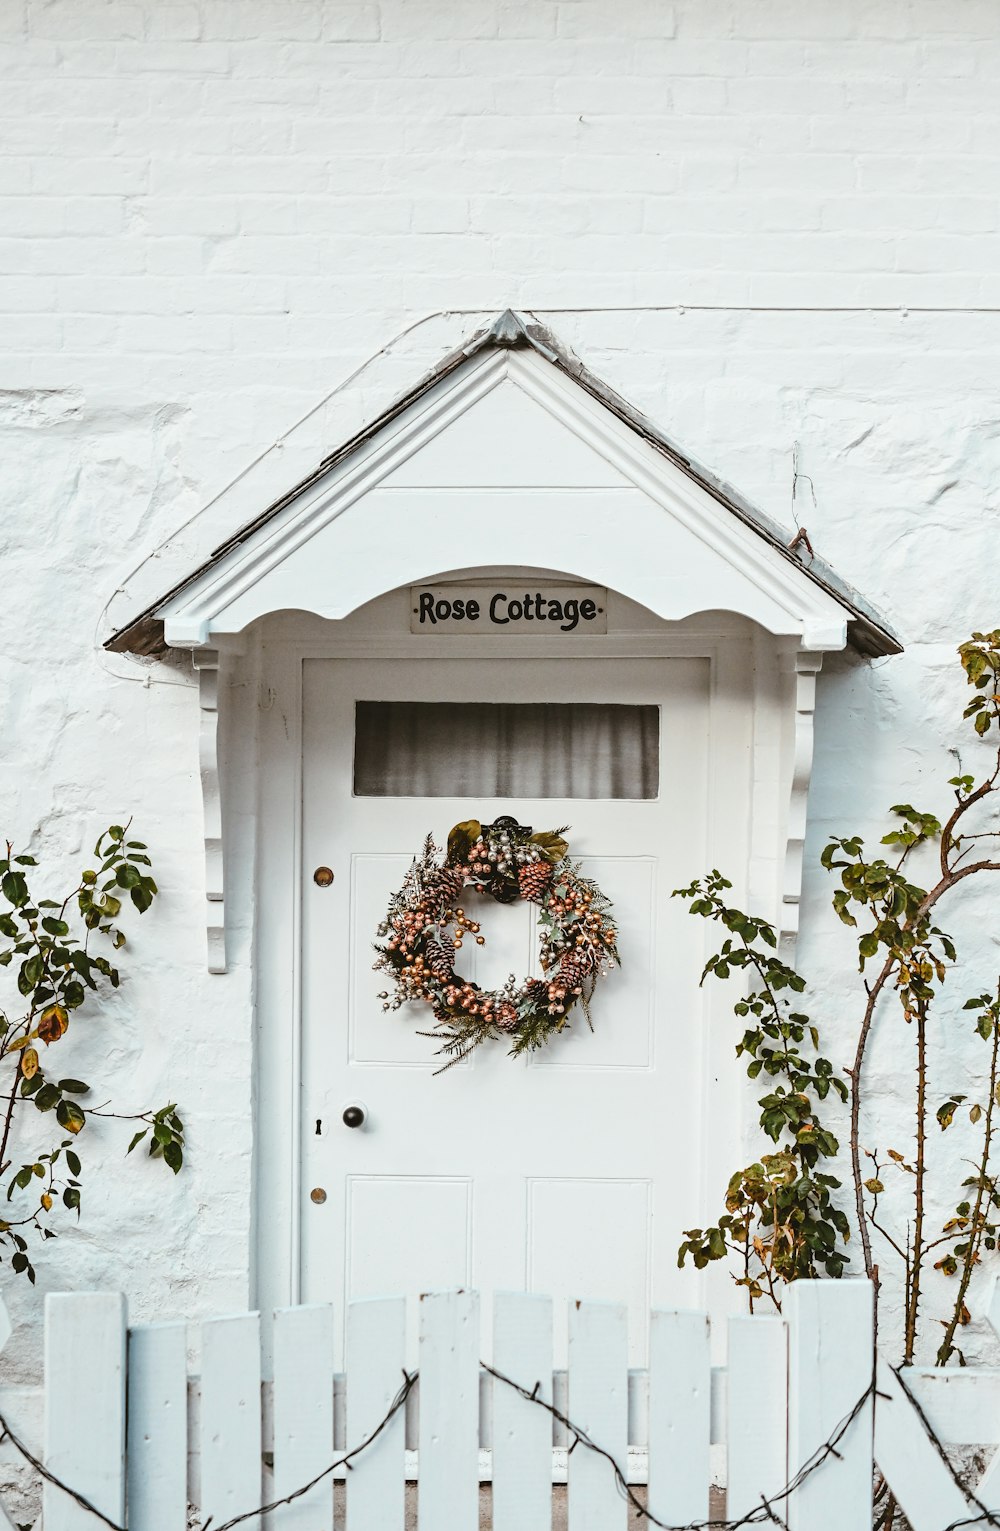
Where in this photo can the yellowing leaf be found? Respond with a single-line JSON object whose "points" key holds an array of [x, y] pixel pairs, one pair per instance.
{"points": [[70, 1116], [46, 1201], [53, 1023], [29, 1063]]}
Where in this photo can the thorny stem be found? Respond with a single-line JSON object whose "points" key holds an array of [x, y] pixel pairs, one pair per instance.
{"points": [[9, 1118], [950, 877], [913, 1282], [854, 1074], [976, 1222]]}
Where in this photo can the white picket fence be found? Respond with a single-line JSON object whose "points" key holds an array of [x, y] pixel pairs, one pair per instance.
{"points": [[129, 1430]]}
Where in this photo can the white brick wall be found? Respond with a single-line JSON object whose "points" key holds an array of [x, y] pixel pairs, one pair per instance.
{"points": [[766, 223]]}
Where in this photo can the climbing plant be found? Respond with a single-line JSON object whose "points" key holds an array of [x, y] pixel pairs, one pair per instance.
{"points": [[782, 1216], [60, 951], [781, 1220]]}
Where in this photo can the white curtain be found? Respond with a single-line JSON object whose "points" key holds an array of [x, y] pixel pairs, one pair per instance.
{"points": [[506, 749]]}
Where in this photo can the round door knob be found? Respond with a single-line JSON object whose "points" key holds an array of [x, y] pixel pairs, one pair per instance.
{"points": [[355, 1115]]}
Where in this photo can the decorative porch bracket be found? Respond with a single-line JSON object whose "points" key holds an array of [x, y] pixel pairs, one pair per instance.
{"points": [[206, 663], [807, 666]]}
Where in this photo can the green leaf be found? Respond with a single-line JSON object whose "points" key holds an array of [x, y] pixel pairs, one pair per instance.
{"points": [[73, 1162], [716, 1244], [173, 1154], [74, 1086], [14, 888], [136, 1140]]}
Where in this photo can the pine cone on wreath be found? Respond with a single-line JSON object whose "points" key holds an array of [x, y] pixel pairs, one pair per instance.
{"points": [[447, 884], [533, 880], [571, 974], [506, 1016], [440, 960], [537, 992]]}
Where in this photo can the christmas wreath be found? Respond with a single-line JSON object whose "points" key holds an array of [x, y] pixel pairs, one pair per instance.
{"points": [[425, 927]]}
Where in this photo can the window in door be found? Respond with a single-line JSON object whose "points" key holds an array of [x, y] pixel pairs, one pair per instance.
{"points": [[507, 749]]}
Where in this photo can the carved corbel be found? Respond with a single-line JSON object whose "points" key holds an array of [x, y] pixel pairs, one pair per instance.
{"points": [[206, 663], [807, 665]]}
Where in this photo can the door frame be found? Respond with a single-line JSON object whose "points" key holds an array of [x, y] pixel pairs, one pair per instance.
{"points": [[744, 700]]}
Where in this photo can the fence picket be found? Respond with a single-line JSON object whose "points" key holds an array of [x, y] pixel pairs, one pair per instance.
{"points": [[598, 1403], [918, 1478], [791, 1385], [231, 1419], [84, 1445], [680, 1399], [756, 1413], [303, 1415], [522, 1432], [376, 1353], [829, 1368], [449, 1411], [157, 1428]]}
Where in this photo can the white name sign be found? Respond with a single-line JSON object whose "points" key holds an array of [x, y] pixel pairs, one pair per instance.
{"points": [[508, 608]]}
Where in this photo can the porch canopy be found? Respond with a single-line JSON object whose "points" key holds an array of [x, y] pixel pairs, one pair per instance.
{"points": [[510, 455], [512, 407]]}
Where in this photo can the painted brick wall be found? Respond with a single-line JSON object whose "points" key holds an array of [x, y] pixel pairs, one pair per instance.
{"points": [[774, 226]]}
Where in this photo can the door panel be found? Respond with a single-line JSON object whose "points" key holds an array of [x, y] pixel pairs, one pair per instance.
{"points": [[569, 1170]]}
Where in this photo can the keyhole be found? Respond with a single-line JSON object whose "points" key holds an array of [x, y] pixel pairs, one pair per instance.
{"points": [[319, 1127]]}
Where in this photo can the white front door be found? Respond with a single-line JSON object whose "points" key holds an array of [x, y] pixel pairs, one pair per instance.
{"points": [[572, 1170]]}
